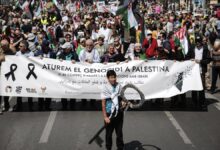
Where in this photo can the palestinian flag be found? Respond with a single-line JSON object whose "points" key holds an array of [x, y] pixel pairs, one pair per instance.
{"points": [[37, 11], [181, 35], [26, 7], [127, 16], [80, 5]]}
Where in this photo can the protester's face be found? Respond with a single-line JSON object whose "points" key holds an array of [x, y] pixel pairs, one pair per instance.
{"points": [[112, 80], [68, 38], [104, 25], [149, 36], [17, 32], [111, 50], [40, 37], [137, 49], [89, 46], [34, 31], [116, 42], [22, 47], [100, 42], [109, 25]]}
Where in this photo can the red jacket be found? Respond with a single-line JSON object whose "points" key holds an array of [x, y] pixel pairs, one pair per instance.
{"points": [[150, 49], [172, 44]]}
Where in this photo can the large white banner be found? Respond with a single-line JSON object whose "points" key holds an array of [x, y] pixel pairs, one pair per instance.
{"points": [[35, 77]]}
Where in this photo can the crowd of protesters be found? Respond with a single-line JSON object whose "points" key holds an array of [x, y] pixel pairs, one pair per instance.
{"points": [[82, 34]]}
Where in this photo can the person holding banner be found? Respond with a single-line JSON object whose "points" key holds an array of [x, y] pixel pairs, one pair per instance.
{"points": [[24, 51], [201, 55], [5, 50], [111, 55], [70, 55], [113, 115], [89, 54], [45, 52]]}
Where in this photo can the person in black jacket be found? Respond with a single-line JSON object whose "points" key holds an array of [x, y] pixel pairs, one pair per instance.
{"points": [[201, 55], [45, 52], [68, 54], [164, 47]]}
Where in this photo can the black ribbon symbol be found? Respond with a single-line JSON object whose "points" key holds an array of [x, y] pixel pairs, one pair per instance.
{"points": [[13, 67], [31, 68]]}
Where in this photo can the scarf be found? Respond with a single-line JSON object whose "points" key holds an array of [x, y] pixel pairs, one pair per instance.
{"points": [[112, 92]]}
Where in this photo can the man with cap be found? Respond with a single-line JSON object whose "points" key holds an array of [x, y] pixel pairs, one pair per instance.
{"points": [[70, 55], [201, 55], [68, 52], [150, 46]]}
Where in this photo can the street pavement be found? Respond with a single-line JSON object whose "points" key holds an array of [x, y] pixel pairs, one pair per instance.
{"points": [[151, 128]]}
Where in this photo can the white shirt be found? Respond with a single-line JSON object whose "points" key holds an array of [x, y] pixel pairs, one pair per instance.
{"points": [[198, 53], [169, 27], [89, 55], [93, 55], [94, 35], [26, 54], [106, 32]]}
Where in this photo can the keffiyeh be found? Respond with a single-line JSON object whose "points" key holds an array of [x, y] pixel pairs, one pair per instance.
{"points": [[109, 91]]}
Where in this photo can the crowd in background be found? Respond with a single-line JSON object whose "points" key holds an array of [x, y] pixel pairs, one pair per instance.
{"points": [[71, 30]]}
